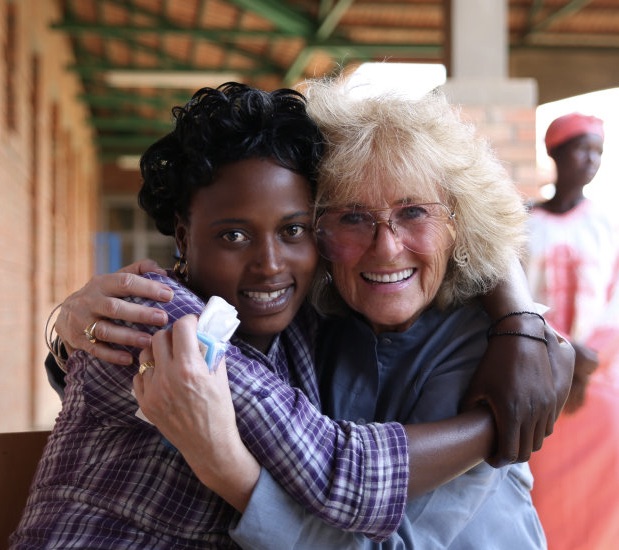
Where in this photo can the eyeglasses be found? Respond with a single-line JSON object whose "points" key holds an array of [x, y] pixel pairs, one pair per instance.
{"points": [[344, 234]]}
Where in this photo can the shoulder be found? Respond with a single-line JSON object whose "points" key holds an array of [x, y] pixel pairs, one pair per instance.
{"points": [[184, 301]]}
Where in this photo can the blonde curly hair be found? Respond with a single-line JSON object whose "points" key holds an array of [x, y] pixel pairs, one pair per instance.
{"points": [[420, 148]]}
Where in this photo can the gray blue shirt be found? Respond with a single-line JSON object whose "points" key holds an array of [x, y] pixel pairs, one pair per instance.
{"points": [[415, 376]]}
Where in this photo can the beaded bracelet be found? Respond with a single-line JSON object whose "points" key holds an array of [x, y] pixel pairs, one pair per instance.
{"points": [[492, 328], [516, 333], [514, 314]]}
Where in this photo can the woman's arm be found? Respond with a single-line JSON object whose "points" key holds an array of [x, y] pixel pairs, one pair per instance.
{"points": [[217, 455], [375, 456], [328, 466], [522, 383]]}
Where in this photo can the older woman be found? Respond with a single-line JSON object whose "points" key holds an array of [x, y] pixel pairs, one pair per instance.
{"points": [[233, 182]]}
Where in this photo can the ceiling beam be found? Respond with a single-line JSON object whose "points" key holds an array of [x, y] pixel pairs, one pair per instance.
{"points": [[94, 69], [76, 27], [570, 8], [280, 14]]}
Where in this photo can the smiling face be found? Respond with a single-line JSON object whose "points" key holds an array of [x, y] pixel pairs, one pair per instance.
{"points": [[388, 284], [248, 239]]}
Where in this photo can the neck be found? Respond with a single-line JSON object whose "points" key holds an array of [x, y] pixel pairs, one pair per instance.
{"points": [[259, 341], [564, 201]]}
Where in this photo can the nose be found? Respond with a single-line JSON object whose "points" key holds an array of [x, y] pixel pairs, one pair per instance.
{"points": [[268, 258], [386, 240]]}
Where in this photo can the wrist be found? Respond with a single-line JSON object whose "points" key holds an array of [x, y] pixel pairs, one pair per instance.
{"points": [[529, 324], [233, 478]]}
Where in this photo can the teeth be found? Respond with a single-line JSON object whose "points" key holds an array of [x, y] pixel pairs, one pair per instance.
{"points": [[388, 277], [264, 296]]}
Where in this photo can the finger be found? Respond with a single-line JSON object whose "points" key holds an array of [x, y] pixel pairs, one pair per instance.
{"points": [[508, 441], [143, 266], [185, 341], [527, 441], [97, 300], [162, 352], [562, 355], [121, 285], [108, 332], [146, 355], [542, 427], [138, 387], [146, 376], [108, 354]]}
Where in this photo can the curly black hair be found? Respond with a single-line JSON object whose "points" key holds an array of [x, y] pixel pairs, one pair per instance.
{"points": [[219, 126]]}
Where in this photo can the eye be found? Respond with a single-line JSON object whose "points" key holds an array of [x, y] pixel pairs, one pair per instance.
{"points": [[234, 237], [295, 230], [354, 218], [414, 213]]}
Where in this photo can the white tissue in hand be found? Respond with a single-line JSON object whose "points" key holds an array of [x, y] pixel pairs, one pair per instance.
{"points": [[216, 326]]}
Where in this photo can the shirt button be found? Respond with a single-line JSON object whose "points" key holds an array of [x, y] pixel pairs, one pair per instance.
{"points": [[386, 340], [264, 393]]}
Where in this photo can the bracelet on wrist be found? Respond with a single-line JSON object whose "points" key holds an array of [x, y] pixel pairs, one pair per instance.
{"points": [[54, 344], [516, 314], [517, 333], [494, 324]]}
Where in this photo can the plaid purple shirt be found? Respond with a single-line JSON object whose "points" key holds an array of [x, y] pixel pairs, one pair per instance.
{"points": [[108, 480]]}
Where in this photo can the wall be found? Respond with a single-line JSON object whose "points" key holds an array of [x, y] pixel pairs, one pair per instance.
{"points": [[511, 132], [49, 180], [562, 73]]}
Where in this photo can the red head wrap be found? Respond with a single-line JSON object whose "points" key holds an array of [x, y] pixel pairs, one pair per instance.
{"points": [[570, 126]]}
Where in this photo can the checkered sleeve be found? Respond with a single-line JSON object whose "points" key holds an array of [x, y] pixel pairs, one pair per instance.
{"points": [[352, 476]]}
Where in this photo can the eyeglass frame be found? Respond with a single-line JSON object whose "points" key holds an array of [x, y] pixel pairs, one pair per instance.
{"points": [[450, 220]]}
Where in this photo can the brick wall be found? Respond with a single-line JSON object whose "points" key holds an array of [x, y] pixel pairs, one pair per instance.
{"points": [[511, 132], [49, 180]]}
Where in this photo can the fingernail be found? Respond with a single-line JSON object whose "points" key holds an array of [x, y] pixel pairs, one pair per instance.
{"points": [[166, 295], [144, 341], [159, 318], [125, 359]]}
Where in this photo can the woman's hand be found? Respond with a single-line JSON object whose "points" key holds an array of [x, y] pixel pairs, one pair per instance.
{"points": [[100, 300], [192, 407], [524, 383], [525, 386]]}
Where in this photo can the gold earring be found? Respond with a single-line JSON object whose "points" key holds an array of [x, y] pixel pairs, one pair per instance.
{"points": [[181, 268]]}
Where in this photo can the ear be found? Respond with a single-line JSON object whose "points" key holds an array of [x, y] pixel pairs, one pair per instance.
{"points": [[181, 234]]}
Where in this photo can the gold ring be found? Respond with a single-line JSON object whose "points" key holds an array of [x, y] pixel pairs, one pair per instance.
{"points": [[145, 366], [89, 332]]}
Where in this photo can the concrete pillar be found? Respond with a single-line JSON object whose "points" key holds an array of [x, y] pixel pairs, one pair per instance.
{"points": [[479, 57], [502, 108], [479, 38]]}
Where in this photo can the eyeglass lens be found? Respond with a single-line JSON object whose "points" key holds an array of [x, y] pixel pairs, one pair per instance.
{"points": [[421, 228]]}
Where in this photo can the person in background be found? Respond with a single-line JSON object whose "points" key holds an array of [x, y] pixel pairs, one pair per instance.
{"points": [[572, 268]]}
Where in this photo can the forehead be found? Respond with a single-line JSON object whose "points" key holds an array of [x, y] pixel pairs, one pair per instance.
{"points": [[256, 183], [585, 140], [380, 192]]}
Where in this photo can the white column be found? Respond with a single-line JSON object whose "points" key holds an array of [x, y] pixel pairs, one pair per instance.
{"points": [[480, 56], [479, 38]]}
